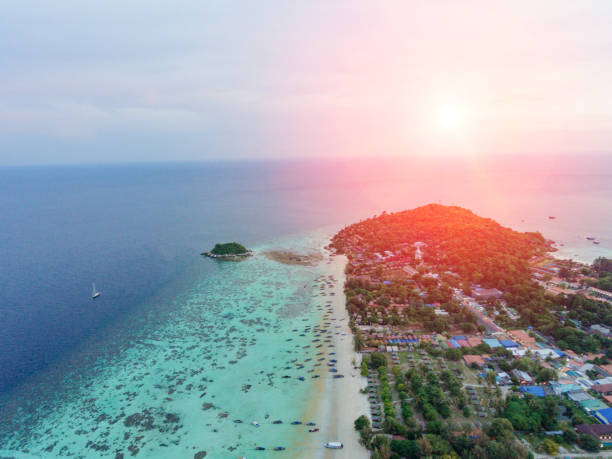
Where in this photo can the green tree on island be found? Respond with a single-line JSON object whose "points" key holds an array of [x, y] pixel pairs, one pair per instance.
{"points": [[229, 248]]}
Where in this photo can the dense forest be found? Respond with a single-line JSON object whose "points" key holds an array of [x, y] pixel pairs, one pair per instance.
{"points": [[478, 249]]}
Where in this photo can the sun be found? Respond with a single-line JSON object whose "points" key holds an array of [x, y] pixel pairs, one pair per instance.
{"points": [[450, 117]]}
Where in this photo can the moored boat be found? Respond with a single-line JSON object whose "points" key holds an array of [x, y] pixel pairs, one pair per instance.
{"points": [[333, 445]]}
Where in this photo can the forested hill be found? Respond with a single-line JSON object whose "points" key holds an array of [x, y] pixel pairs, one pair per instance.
{"points": [[479, 249]]}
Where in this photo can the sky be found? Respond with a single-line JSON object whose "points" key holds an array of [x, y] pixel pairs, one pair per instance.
{"points": [[147, 80]]}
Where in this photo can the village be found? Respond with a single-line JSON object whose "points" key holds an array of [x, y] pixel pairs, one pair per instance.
{"points": [[483, 362]]}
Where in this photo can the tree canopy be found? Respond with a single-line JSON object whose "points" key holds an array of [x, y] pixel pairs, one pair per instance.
{"points": [[229, 248]]}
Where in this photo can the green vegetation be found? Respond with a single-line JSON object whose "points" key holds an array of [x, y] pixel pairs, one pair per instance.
{"points": [[536, 415], [603, 269], [362, 425], [585, 310], [429, 420], [385, 393], [428, 395], [364, 368], [377, 360], [588, 443], [478, 249], [550, 447], [229, 248]]}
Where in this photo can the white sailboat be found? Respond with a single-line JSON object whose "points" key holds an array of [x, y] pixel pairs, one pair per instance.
{"points": [[95, 294]]}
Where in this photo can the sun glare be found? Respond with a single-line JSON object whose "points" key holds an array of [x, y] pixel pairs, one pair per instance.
{"points": [[450, 118]]}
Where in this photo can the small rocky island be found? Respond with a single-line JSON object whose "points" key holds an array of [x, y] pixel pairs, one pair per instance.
{"points": [[228, 251]]}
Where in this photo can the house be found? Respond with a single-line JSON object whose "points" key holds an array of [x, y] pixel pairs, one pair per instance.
{"points": [[503, 378], [479, 293], [563, 388], [571, 354], [477, 360], [546, 353], [368, 350], [602, 389], [578, 396], [518, 352], [492, 342], [596, 292], [522, 376], [523, 338], [592, 405], [605, 369], [536, 391], [604, 416], [600, 330], [603, 432], [585, 383], [593, 356]]}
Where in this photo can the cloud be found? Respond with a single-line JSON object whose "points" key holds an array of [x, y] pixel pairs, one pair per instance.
{"points": [[299, 78]]}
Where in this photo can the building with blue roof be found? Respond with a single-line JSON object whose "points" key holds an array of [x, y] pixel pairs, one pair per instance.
{"points": [[492, 342], [564, 388], [537, 391], [508, 343], [593, 405], [604, 415]]}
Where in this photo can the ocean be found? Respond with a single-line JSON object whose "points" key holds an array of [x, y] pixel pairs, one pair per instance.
{"points": [[88, 378]]}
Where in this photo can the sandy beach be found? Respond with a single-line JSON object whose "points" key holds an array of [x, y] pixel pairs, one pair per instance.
{"points": [[338, 401]]}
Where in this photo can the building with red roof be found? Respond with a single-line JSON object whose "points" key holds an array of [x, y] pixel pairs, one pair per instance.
{"points": [[475, 359]]}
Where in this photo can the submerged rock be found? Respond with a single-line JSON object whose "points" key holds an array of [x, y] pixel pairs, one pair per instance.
{"points": [[199, 455], [291, 258]]}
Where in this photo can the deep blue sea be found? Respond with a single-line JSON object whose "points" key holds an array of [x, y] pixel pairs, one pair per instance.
{"points": [[137, 230]]}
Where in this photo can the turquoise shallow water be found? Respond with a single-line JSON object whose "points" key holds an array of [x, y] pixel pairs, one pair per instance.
{"points": [[138, 390]]}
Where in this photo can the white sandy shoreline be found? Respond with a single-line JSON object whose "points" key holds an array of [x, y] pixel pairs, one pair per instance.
{"points": [[340, 402]]}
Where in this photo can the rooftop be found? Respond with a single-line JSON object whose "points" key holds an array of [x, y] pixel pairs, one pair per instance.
{"points": [[594, 429], [602, 388], [522, 336], [477, 359]]}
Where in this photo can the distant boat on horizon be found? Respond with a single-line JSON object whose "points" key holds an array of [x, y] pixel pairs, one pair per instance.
{"points": [[95, 294]]}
